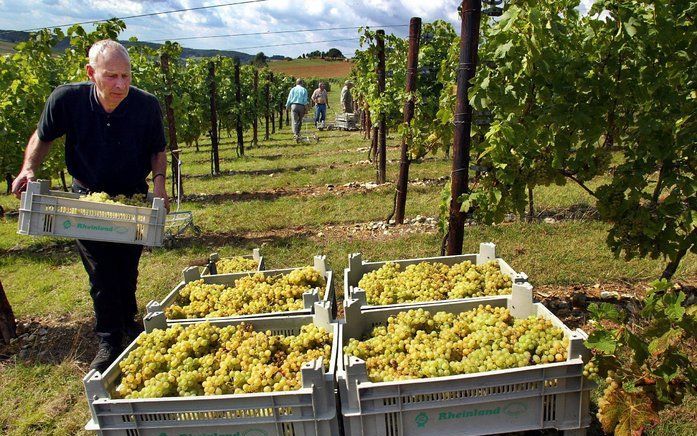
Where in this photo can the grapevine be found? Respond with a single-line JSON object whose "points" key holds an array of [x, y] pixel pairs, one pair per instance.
{"points": [[644, 365], [204, 359], [419, 344]]}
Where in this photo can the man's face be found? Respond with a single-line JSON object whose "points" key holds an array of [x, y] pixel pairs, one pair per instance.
{"points": [[321, 86], [112, 78]]}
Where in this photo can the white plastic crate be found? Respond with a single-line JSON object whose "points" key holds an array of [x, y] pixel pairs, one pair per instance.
{"points": [[309, 298], [44, 212], [215, 257], [553, 395], [310, 410], [358, 268]]}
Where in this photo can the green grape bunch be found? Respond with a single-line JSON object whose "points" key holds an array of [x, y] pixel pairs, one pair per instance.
{"points": [[139, 200], [433, 281], [418, 344], [252, 294], [204, 359], [235, 264]]}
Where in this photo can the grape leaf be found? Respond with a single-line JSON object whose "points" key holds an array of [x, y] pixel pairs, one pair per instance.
{"points": [[641, 352], [630, 26], [661, 344], [606, 311], [673, 304], [602, 340], [627, 414]]}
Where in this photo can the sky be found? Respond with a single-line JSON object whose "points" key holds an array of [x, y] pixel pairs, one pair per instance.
{"points": [[265, 16]]}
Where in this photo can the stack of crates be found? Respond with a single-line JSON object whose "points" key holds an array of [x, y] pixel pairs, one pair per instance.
{"points": [[545, 396], [308, 411], [346, 121]]}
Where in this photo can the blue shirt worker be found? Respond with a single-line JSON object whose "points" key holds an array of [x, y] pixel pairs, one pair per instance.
{"points": [[297, 102], [114, 138]]}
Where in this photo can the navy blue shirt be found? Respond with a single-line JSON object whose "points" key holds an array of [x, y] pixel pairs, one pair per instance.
{"points": [[107, 152]]}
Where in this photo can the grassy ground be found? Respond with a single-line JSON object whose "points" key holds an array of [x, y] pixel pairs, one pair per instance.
{"points": [[290, 200]]}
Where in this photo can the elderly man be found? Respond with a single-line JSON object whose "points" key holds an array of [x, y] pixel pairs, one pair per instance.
{"points": [[297, 100], [319, 97], [346, 98], [114, 138]]}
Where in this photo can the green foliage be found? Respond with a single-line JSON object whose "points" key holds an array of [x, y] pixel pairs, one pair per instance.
{"points": [[334, 53], [365, 79], [645, 362], [426, 133], [260, 60], [576, 93], [651, 199]]}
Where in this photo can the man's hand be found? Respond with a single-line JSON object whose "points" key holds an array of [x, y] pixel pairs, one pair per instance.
{"points": [[20, 183], [33, 156], [160, 191]]}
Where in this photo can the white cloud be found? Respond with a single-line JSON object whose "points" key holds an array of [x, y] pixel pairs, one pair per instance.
{"points": [[272, 15]]}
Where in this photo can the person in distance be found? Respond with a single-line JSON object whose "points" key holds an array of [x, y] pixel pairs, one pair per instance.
{"points": [[114, 138], [297, 102], [319, 97], [346, 98]]}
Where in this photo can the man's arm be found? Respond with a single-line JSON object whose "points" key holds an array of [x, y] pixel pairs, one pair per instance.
{"points": [[33, 157], [159, 176]]}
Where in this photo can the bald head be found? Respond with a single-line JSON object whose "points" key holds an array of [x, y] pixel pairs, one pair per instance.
{"points": [[107, 48], [110, 70]]}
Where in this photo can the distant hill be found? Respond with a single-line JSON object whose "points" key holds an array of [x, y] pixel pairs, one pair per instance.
{"points": [[8, 38]]}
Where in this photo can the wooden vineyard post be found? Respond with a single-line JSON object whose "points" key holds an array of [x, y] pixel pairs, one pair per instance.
{"points": [[215, 160], [8, 325], [405, 160], [469, 41], [382, 128], [368, 121], [267, 91], [272, 111], [238, 101], [280, 116], [61, 173], [171, 127], [364, 119], [255, 120], [287, 117]]}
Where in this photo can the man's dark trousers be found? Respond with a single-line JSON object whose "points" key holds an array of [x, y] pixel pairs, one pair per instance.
{"points": [[113, 274]]}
